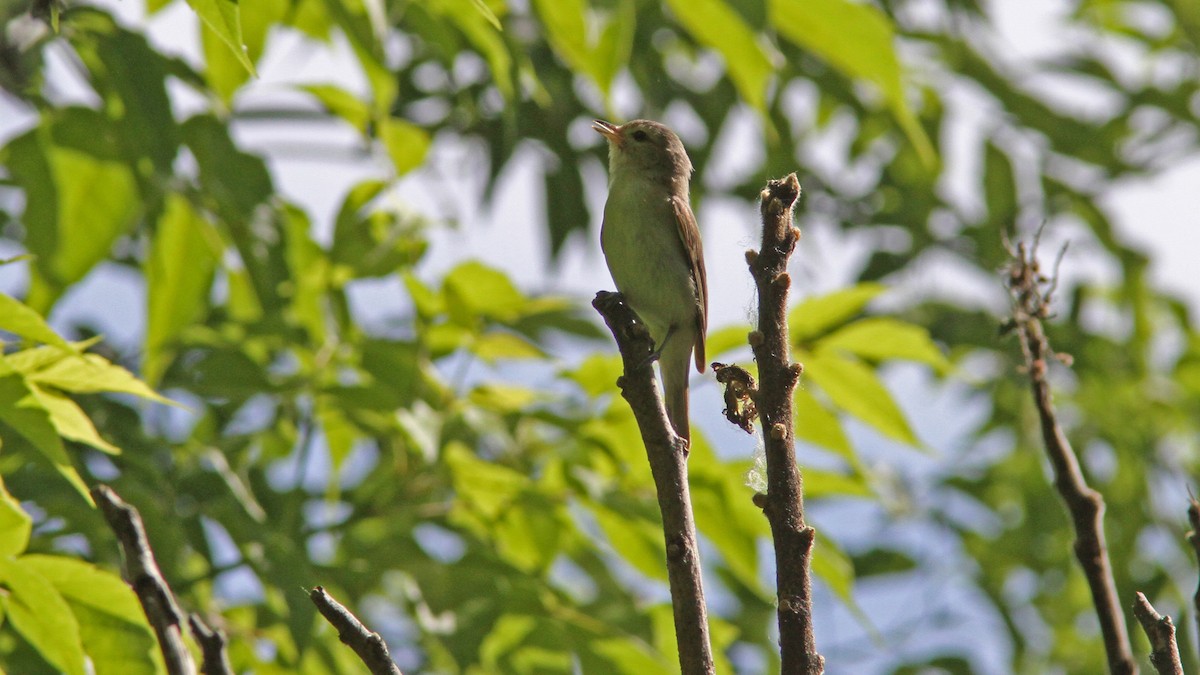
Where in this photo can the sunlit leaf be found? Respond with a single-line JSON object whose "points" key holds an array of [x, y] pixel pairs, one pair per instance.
{"points": [[342, 103], [474, 290], [715, 24], [224, 17], [818, 314], [882, 339], [818, 425], [70, 421], [112, 625], [16, 317], [91, 374], [178, 277], [21, 410], [854, 387], [15, 525], [40, 614], [857, 39], [638, 541], [406, 143]]}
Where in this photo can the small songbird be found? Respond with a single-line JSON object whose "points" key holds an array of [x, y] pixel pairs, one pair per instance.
{"points": [[652, 246]]}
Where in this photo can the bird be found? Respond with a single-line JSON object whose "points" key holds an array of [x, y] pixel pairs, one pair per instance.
{"points": [[651, 243]]}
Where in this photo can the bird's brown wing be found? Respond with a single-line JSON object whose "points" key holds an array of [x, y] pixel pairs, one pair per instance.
{"points": [[689, 236]]}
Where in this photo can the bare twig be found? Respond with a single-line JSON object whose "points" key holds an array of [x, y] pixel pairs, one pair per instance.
{"points": [[1165, 652], [212, 646], [1193, 538], [667, 453], [1030, 291], [141, 572], [784, 501], [369, 646]]}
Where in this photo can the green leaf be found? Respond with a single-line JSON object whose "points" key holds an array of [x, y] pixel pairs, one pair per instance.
{"points": [[474, 290], [715, 24], [483, 33], [224, 17], [999, 186], [112, 626], [77, 204], [882, 339], [21, 410], [225, 68], [496, 345], [70, 421], [818, 314], [342, 103], [179, 274], [858, 40], [598, 374], [406, 143], [487, 487], [853, 387], [41, 615], [16, 317], [727, 339], [15, 525], [503, 398], [90, 374], [819, 484], [818, 425], [637, 540]]}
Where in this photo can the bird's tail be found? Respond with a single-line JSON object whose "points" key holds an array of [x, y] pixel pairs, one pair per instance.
{"points": [[676, 364]]}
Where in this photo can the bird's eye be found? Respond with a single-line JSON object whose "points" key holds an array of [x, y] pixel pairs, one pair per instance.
{"points": [[640, 135]]}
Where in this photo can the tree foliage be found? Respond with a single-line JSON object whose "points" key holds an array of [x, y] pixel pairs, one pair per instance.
{"points": [[491, 522]]}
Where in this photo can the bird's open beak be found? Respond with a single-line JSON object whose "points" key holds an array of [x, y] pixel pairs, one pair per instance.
{"points": [[609, 131]]}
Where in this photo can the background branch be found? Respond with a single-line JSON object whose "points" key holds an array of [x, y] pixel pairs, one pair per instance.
{"points": [[667, 454], [1165, 652], [1031, 293], [784, 502], [140, 570], [212, 646], [369, 646]]}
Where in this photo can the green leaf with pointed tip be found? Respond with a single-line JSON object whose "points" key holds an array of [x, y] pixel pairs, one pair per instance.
{"points": [[819, 314], [70, 421], [15, 525], [715, 24], [224, 17], [858, 40], [179, 274], [37, 611], [90, 374], [854, 388], [18, 318], [882, 339]]}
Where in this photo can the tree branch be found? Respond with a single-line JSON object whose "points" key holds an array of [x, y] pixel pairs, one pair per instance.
{"points": [[667, 454], [140, 571], [212, 646], [1193, 538], [1031, 294], [369, 646], [784, 501], [1165, 652]]}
